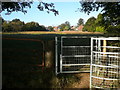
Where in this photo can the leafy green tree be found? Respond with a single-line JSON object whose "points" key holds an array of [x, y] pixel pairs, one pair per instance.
{"points": [[21, 6], [90, 25], [100, 29], [110, 12], [65, 26], [99, 23], [50, 28], [100, 20], [17, 25], [109, 9], [67, 23], [6, 27], [16, 20], [62, 27], [42, 28], [114, 29], [33, 26], [80, 22]]}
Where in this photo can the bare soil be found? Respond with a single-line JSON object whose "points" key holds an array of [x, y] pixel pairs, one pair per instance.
{"points": [[83, 82]]}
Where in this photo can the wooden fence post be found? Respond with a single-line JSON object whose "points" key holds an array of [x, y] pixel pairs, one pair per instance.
{"points": [[104, 46]]}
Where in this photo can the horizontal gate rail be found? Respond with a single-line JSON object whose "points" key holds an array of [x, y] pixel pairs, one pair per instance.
{"points": [[105, 62], [106, 52], [77, 56], [75, 71], [104, 78], [110, 47], [108, 38], [107, 56], [114, 66], [76, 37], [74, 64], [74, 46]]}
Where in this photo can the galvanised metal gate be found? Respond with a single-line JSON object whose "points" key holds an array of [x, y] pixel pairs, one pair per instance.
{"points": [[73, 54], [105, 62], [101, 59]]}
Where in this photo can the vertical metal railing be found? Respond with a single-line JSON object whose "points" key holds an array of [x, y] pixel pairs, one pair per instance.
{"points": [[75, 54], [107, 63], [61, 55], [91, 63], [56, 55]]}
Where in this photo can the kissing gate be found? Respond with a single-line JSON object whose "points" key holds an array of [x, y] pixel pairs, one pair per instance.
{"points": [[98, 55]]}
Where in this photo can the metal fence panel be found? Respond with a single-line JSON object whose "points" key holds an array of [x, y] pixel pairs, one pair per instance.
{"points": [[105, 62], [74, 54]]}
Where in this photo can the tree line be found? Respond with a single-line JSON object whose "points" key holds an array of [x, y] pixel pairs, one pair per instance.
{"points": [[95, 24], [16, 26], [107, 22], [99, 24], [91, 25]]}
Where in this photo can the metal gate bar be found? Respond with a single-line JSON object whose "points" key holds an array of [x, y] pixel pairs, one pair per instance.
{"points": [[75, 56], [105, 63]]}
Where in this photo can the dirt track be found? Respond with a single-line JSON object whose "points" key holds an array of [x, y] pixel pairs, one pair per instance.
{"points": [[84, 81]]}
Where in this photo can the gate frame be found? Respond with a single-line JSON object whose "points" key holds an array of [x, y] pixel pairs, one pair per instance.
{"points": [[100, 38], [56, 54]]}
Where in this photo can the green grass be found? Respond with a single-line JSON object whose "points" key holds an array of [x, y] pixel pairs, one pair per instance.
{"points": [[47, 32]]}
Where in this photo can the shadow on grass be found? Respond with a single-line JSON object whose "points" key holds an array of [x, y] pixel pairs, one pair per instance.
{"points": [[20, 67]]}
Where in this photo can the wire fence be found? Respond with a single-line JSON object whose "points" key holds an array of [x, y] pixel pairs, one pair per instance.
{"points": [[22, 55], [75, 54], [105, 65]]}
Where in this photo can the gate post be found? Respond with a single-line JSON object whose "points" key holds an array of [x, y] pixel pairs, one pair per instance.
{"points": [[104, 45], [61, 56], [56, 56], [49, 54], [106, 60], [91, 63]]}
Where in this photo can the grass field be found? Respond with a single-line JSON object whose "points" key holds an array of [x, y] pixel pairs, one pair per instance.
{"points": [[22, 56], [58, 32]]}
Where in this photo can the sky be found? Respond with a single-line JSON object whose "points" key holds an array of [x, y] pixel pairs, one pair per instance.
{"points": [[67, 12]]}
